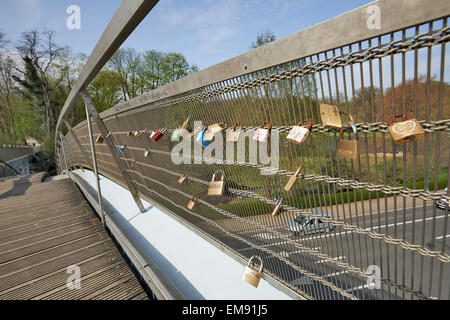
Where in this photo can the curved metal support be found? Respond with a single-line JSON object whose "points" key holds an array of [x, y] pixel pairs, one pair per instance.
{"points": [[90, 108]]}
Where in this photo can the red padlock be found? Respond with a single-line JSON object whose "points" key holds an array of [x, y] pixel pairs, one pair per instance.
{"points": [[158, 135]]}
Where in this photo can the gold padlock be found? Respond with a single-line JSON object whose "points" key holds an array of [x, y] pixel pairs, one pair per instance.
{"points": [[182, 178], [291, 181], [216, 188], [348, 149], [99, 139], [277, 207], [133, 164], [192, 203], [212, 130], [298, 133], [233, 134], [405, 131], [331, 116], [250, 275], [108, 135]]}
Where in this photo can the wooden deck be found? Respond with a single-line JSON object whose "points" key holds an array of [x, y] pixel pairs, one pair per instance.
{"points": [[45, 227]]}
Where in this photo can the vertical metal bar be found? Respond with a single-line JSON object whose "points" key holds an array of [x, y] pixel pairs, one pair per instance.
{"points": [[63, 150], [94, 163], [103, 131]]}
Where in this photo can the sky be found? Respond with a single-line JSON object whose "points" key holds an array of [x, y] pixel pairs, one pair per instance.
{"points": [[206, 32]]}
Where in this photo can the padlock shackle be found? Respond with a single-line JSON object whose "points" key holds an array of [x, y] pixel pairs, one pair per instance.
{"points": [[237, 124], [268, 123], [218, 171], [355, 131], [307, 121], [299, 169], [260, 262], [406, 116], [349, 116]]}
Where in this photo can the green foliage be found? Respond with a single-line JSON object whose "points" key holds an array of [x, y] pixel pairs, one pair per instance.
{"points": [[262, 38]]}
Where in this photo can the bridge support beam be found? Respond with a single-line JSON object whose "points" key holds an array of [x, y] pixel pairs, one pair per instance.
{"points": [[61, 137], [109, 142], [94, 163]]}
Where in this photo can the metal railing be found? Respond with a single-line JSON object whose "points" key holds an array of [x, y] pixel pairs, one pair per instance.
{"points": [[383, 236]]}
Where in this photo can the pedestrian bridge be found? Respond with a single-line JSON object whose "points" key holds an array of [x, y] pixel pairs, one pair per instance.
{"points": [[356, 208]]}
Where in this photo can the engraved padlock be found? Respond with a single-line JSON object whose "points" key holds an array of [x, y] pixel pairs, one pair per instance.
{"points": [[250, 275], [293, 178], [298, 133], [182, 178], [405, 131], [262, 133], [233, 134], [331, 116], [213, 129], [216, 188], [277, 208], [348, 149], [99, 139], [192, 203]]}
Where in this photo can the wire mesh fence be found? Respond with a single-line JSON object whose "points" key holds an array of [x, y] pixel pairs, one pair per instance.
{"points": [[370, 226]]}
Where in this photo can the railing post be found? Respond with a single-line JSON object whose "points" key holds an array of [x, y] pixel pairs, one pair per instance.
{"points": [[103, 131], [94, 163], [63, 151]]}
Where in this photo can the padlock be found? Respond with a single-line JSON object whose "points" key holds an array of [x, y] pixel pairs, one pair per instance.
{"points": [[405, 131], [192, 203], [121, 148], [216, 188], [348, 149], [233, 134], [298, 133], [147, 150], [182, 178], [158, 135], [108, 135], [261, 133], [177, 131], [200, 139], [133, 164], [152, 133], [292, 179], [331, 116], [213, 129], [250, 275], [99, 139], [277, 207], [137, 133], [129, 133]]}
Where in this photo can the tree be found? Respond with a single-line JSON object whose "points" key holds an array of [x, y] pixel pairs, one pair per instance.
{"points": [[41, 78], [105, 89], [262, 38]]}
